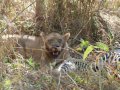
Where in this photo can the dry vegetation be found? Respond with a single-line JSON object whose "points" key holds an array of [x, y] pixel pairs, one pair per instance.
{"points": [[75, 16]]}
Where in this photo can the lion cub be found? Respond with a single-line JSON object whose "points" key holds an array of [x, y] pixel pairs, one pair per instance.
{"points": [[46, 48], [55, 47]]}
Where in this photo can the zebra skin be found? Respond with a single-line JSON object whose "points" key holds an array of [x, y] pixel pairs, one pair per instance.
{"points": [[109, 61]]}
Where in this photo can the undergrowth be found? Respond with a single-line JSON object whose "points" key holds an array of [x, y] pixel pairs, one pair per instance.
{"points": [[18, 16]]}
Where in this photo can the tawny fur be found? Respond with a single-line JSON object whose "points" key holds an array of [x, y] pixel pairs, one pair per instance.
{"points": [[63, 47], [28, 46], [38, 47]]}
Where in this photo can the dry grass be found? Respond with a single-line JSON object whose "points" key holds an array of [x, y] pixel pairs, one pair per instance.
{"points": [[112, 4], [17, 16]]}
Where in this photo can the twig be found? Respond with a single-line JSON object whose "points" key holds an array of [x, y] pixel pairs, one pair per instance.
{"points": [[59, 81], [17, 16], [81, 30], [71, 79], [75, 51]]}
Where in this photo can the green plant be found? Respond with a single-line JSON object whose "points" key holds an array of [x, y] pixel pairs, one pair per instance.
{"points": [[7, 84], [89, 48], [32, 64]]}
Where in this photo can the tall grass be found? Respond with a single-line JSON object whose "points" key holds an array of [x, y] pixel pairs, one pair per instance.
{"points": [[112, 4], [74, 16]]}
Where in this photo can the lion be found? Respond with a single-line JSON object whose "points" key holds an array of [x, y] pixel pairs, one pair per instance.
{"points": [[43, 48]]}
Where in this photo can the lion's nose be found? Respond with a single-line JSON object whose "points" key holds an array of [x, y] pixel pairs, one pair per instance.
{"points": [[56, 46]]}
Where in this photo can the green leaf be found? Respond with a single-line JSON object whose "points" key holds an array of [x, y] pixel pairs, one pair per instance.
{"points": [[7, 83], [31, 62], [102, 46], [79, 49], [88, 50], [84, 44]]}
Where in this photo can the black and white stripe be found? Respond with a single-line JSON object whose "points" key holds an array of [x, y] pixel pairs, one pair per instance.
{"points": [[111, 58], [66, 66], [73, 65]]}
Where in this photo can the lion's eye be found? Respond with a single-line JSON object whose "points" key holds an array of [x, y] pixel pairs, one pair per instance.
{"points": [[60, 40], [55, 41]]}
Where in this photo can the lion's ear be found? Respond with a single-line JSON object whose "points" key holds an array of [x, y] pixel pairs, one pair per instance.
{"points": [[66, 36]]}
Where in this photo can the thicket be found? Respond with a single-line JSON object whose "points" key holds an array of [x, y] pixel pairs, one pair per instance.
{"points": [[23, 17]]}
